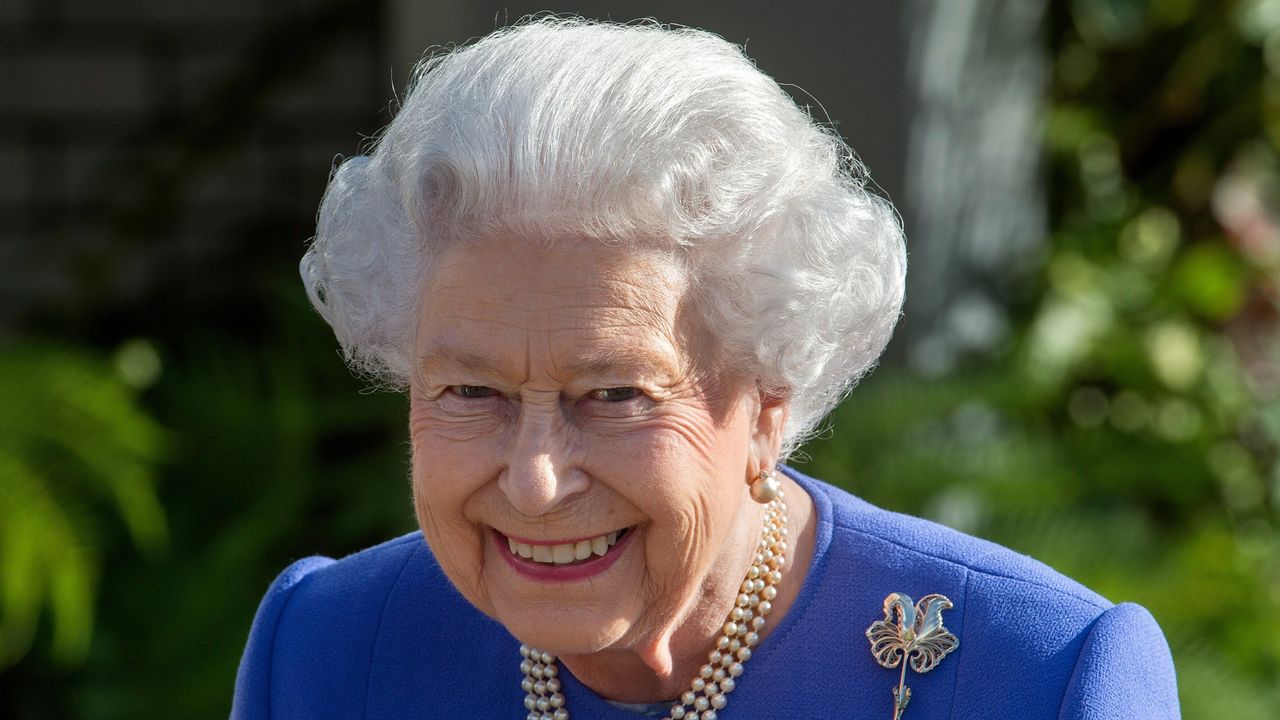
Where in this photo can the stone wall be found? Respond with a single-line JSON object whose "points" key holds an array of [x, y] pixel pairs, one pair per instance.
{"points": [[154, 155]]}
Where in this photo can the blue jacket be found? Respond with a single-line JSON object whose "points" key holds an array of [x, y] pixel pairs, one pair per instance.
{"points": [[382, 634]]}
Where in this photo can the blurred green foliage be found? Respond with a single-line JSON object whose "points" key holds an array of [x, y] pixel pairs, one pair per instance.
{"points": [[1126, 433], [73, 442]]}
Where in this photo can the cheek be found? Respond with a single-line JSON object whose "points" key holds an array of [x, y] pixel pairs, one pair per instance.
{"points": [[693, 481], [459, 442], [698, 453], [447, 471]]}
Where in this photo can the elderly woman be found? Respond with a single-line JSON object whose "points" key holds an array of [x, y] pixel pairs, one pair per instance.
{"points": [[622, 276]]}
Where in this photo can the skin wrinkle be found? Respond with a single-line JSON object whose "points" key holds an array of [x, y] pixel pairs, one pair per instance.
{"points": [[543, 457]]}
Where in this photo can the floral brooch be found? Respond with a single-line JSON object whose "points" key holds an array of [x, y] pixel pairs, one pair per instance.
{"points": [[913, 633]]}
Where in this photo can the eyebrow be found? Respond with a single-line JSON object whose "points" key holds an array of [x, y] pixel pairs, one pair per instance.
{"points": [[613, 358], [456, 357], [595, 362]]}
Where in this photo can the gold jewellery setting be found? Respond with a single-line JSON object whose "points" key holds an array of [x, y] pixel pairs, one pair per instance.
{"points": [[708, 692], [911, 634]]}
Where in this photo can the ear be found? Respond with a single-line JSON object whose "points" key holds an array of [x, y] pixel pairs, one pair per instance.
{"points": [[766, 436]]}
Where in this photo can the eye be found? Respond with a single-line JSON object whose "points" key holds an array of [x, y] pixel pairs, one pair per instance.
{"points": [[474, 392], [618, 394]]}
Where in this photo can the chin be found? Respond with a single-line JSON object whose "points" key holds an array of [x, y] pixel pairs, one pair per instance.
{"points": [[565, 631]]}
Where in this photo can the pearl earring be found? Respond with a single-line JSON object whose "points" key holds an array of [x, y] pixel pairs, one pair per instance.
{"points": [[765, 487]]}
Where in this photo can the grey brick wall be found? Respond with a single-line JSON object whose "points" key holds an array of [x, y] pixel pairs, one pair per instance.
{"points": [[151, 149]]}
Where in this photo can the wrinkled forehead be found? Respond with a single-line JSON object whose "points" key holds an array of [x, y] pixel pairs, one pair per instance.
{"points": [[582, 303], [556, 271]]}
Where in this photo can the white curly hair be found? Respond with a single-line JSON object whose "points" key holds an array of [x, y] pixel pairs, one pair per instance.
{"points": [[639, 135]]}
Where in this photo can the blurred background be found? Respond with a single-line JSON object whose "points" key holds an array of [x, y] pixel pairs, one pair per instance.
{"points": [[1088, 371]]}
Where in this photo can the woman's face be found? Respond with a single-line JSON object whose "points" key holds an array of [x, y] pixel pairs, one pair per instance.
{"points": [[564, 407]]}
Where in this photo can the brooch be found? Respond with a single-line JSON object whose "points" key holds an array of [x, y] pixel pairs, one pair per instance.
{"points": [[916, 636]]}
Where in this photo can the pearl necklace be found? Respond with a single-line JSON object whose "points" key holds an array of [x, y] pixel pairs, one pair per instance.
{"points": [[708, 692]]}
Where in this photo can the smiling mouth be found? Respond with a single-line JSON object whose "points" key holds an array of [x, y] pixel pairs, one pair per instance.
{"points": [[574, 553]]}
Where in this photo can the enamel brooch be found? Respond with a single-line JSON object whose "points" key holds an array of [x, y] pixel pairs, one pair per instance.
{"points": [[911, 634]]}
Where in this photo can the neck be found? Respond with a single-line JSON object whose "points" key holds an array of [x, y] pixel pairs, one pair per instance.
{"points": [[660, 669]]}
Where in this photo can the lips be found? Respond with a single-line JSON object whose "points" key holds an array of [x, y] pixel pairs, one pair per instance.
{"points": [[563, 561]]}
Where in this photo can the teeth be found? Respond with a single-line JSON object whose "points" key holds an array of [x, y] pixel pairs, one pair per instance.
{"points": [[564, 553]]}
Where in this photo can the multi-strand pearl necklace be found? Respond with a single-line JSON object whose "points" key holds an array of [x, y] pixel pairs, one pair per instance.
{"points": [[708, 693]]}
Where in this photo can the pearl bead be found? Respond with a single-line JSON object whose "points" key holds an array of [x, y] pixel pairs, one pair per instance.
{"points": [[765, 489], [740, 632]]}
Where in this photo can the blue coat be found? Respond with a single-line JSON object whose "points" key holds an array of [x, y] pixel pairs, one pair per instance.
{"points": [[382, 634]]}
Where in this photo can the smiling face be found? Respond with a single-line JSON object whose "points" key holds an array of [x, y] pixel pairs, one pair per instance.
{"points": [[560, 396]]}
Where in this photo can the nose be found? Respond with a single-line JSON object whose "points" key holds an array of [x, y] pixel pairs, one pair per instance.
{"points": [[540, 474]]}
